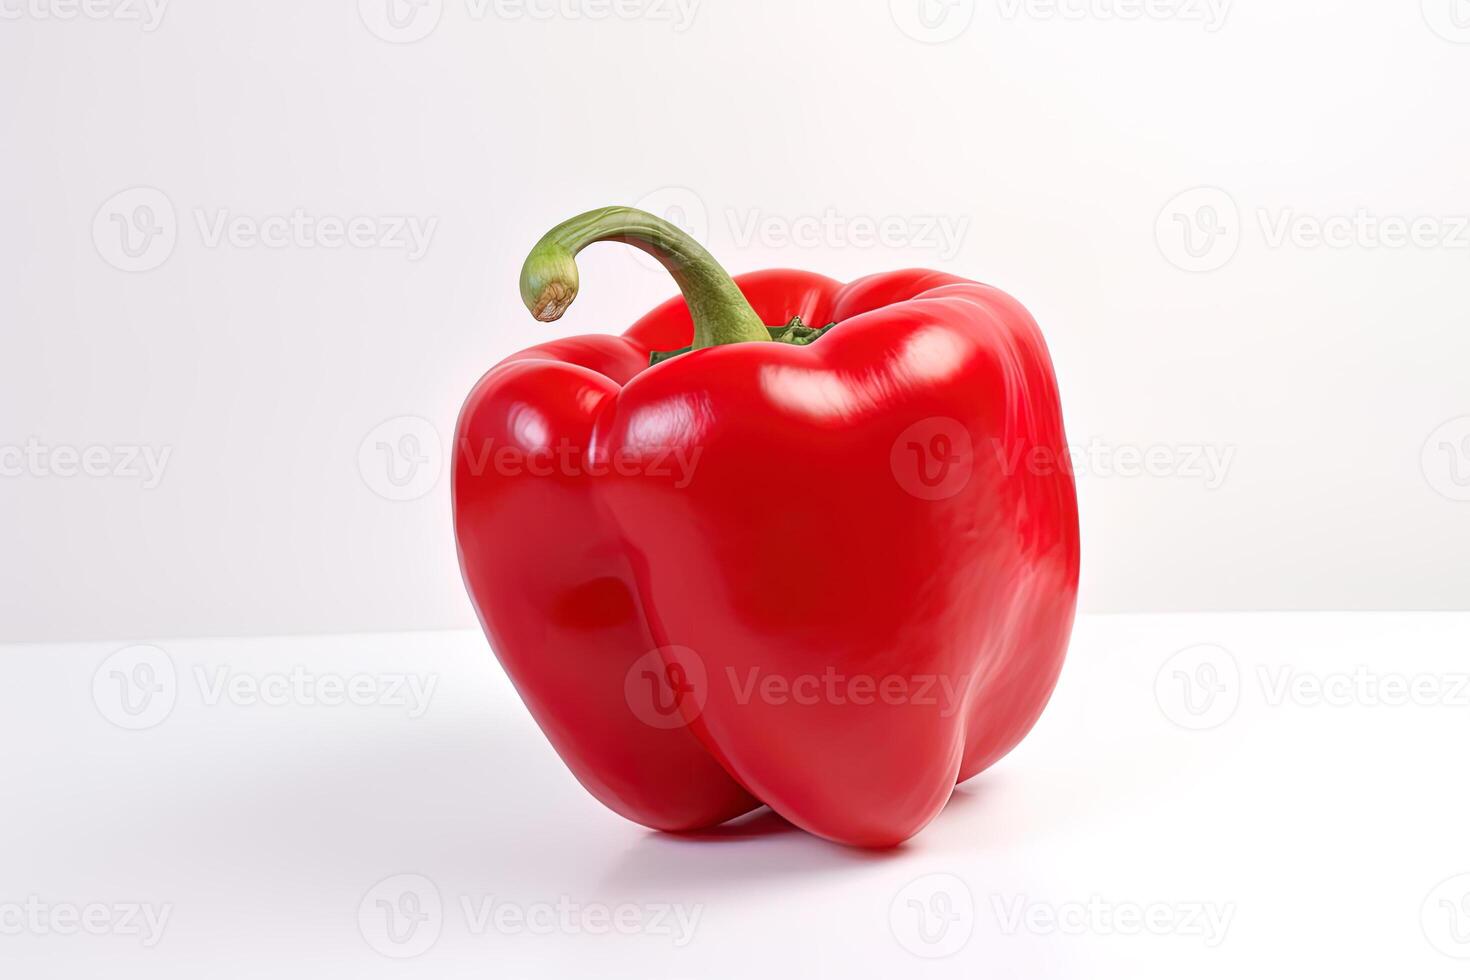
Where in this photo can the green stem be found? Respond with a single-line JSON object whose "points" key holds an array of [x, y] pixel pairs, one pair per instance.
{"points": [[720, 311]]}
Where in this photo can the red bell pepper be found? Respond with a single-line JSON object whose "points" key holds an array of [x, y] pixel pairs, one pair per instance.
{"points": [[834, 573]]}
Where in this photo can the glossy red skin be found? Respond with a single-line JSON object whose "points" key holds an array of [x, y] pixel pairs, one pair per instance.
{"points": [[794, 548]]}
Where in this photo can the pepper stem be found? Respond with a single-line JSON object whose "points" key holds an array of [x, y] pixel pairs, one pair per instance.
{"points": [[720, 311]]}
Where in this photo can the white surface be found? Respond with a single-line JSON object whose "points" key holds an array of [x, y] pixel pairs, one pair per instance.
{"points": [[1056, 150], [1324, 836]]}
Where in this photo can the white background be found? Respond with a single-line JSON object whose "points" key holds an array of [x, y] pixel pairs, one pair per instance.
{"points": [[1054, 149], [1306, 820], [1153, 180]]}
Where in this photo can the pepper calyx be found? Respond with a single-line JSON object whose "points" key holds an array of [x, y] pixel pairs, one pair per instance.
{"points": [[795, 332]]}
